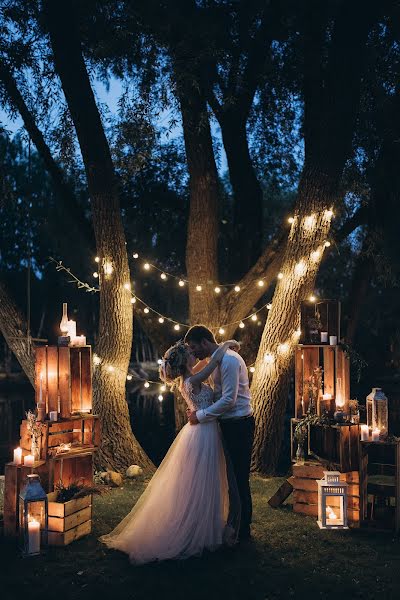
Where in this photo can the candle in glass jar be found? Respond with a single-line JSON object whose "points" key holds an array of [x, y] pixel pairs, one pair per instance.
{"points": [[326, 396], [72, 329], [53, 415], [324, 337], [375, 435], [79, 340], [33, 536], [333, 340], [17, 456], [29, 460], [364, 433]]}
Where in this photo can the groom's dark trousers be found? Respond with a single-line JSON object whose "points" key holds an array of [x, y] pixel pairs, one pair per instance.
{"points": [[238, 437]]}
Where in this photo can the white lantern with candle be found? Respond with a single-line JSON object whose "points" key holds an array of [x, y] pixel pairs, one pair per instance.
{"points": [[332, 501], [377, 412], [32, 516]]}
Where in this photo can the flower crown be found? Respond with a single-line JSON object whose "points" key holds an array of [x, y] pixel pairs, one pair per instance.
{"points": [[174, 357]]}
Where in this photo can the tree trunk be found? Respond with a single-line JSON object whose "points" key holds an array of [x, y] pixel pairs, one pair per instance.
{"points": [[119, 448], [331, 103], [14, 329]]}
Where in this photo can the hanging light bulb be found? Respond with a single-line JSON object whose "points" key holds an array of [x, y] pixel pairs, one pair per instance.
{"points": [[110, 369], [269, 306], [146, 384], [241, 325], [198, 288], [108, 268], [146, 267], [127, 286], [177, 327], [283, 348], [163, 276], [252, 369], [133, 300], [146, 310], [329, 214], [160, 361], [260, 283], [290, 220], [135, 255], [315, 256], [217, 290], [129, 377], [259, 323], [254, 317], [96, 359], [327, 244], [269, 358], [280, 275], [237, 288], [221, 331], [97, 259], [300, 269], [312, 298], [309, 222], [95, 274], [161, 320], [163, 388], [160, 398], [181, 283]]}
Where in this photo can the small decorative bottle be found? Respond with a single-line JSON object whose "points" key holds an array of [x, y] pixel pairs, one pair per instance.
{"points": [[64, 320]]}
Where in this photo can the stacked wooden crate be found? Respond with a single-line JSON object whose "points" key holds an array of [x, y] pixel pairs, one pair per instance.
{"points": [[305, 491]]}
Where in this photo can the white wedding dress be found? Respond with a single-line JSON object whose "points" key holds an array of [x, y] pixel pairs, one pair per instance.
{"points": [[184, 508]]}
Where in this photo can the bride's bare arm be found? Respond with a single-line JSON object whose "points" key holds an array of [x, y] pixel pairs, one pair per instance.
{"points": [[200, 365], [206, 371]]}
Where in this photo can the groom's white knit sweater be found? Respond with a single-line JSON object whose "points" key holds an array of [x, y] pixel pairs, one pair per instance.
{"points": [[232, 398]]}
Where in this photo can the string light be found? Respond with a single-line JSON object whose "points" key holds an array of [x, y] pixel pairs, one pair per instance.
{"points": [[237, 288], [327, 244], [163, 388], [315, 256], [283, 348], [97, 259], [95, 274], [163, 276], [146, 310], [269, 306], [96, 359], [221, 331], [159, 361], [135, 255], [300, 268], [269, 358], [329, 214], [309, 222], [260, 283], [133, 300], [110, 369], [177, 327], [312, 298], [291, 220], [160, 398], [108, 268], [241, 325], [254, 317], [252, 369], [146, 384], [198, 288], [161, 320], [129, 377], [181, 283], [217, 290], [127, 286], [146, 266], [280, 275]]}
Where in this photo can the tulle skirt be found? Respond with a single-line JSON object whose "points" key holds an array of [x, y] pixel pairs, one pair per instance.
{"points": [[185, 507]]}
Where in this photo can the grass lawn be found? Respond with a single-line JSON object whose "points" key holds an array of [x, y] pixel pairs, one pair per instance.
{"points": [[289, 558]]}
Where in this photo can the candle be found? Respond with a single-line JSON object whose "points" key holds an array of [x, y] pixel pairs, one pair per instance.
{"points": [[17, 456], [53, 415], [326, 396], [364, 433], [333, 340], [33, 536], [324, 337], [29, 460], [72, 329], [79, 340], [375, 435]]}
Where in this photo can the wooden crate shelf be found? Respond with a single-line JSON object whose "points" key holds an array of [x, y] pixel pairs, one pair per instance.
{"points": [[68, 521], [64, 374], [67, 469], [305, 491], [82, 432], [335, 365]]}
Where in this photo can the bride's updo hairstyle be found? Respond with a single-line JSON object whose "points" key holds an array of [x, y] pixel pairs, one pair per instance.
{"points": [[174, 363]]}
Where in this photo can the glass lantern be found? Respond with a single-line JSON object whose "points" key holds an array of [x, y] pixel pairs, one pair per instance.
{"points": [[33, 519], [332, 501], [377, 412]]}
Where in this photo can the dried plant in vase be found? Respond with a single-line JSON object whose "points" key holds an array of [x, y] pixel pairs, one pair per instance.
{"points": [[35, 429], [314, 389], [354, 411], [75, 490]]}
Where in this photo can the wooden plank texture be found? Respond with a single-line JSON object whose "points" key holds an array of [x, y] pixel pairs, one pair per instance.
{"points": [[63, 539], [52, 378], [64, 382]]}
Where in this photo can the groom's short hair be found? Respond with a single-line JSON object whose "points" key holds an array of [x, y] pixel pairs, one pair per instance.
{"points": [[197, 333]]}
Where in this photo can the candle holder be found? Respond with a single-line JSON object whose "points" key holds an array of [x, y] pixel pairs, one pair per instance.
{"points": [[332, 501], [33, 517]]}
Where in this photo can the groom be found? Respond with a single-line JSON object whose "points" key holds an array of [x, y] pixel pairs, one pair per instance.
{"points": [[232, 407]]}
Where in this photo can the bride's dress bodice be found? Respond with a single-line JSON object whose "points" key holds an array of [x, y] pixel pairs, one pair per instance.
{"points": [[197, 401]]}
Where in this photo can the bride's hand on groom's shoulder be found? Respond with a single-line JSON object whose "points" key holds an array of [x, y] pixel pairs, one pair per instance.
{"points": [[234, 345]]}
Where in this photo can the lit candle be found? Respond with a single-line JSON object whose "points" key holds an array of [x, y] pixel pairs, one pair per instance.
{"points": [[375, 435], [33, 536], [364, 433], [72, 330], [29, 460], [17, 456], [326, 396], [333, 340], [53, 415], [324, 337], [79, 340]]}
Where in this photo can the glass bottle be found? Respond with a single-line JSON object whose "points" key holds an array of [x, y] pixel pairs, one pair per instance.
{"points": [[64, 320]]}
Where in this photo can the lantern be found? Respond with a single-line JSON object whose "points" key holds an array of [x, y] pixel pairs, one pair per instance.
{"points": [[32, 516], [332, 501], [377, 412]]}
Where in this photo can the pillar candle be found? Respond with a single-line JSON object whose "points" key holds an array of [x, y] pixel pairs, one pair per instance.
{"points": [[53, 415], [364, 433], [29, 460], [375, 435], [33, 537], [17, 456], [324, 337], [333, 340]]}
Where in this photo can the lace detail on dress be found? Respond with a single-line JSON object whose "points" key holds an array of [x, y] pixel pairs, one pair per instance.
{"points": [[196, 401]]}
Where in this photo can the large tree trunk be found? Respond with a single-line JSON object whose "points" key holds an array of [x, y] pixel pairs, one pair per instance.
{"points": [[14, 329], [119, 447], [330, 111]]}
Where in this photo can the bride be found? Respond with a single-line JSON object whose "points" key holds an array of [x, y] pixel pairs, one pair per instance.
{"points": [[186, 507]]}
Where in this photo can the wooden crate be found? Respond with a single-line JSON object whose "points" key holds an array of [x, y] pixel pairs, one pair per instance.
{"points": [[335, 365], [335, 444], [71, 468], [14, 480], [65, 376], [305, 492], [327, 312], [82, 432], [68, 521]]}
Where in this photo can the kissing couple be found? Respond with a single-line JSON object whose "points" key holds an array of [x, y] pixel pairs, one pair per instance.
{"points": [[199, 498]]}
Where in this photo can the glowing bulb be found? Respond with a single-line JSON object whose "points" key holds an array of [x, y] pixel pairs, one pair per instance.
{"points": [[160, 361], [221, 331], [269, 358], [160, 398], [110, 369], [177, 327], [135, 255], [95, 274], [163, 388], [283, 348], [108, 268], [127, 286], [241, 325], [97, 259], [300, 268], [309, 222], [181, 283], [96, 359], [312, 298], [280, 275], [146, 384], [252, 369], [260, 283], [327, 244], [133, 300], [161, 320], [258, 322], [290, 220], [146, 310], [329, 214], [198, 288], [217, 290], [315, 256], [146, 267], [254, 317], [297, 333], [237, 288], [129, 377], [163, 276], [269, 306]]}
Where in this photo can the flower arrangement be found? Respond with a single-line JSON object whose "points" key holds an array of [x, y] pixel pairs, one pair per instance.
{"points": [[35, 429], [75, 490]]}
